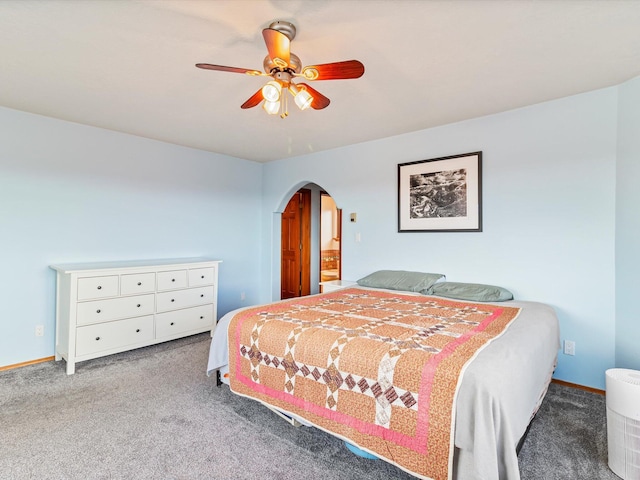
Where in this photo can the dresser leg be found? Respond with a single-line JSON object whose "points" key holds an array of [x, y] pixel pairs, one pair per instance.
{"points": [[71, 367], [218, 380]]}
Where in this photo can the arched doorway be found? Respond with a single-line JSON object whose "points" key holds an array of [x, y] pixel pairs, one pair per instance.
{"points": [[310, 242]]}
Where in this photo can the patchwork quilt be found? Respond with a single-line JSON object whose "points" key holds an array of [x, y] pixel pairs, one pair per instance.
{"points": [[378, 369]]}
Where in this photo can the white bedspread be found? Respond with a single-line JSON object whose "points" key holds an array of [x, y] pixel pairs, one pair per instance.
{"points": [[501, 390]]}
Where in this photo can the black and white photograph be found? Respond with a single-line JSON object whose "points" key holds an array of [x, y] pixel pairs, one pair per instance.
{"points": [[438, 194], [441, 194]]}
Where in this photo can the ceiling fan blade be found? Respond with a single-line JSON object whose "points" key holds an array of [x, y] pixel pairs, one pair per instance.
{"points": [[278, 45], [319, 101], [222, 68], [334, 71], [255, 99]]}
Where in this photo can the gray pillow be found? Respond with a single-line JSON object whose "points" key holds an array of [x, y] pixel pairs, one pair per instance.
{"points": [[469, 291], [400, 280]]}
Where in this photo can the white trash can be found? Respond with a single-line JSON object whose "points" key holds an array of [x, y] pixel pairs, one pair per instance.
{"points": [[623, 422]]}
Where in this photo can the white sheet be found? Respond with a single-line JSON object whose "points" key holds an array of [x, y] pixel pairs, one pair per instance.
{"points": [[501, 390]]}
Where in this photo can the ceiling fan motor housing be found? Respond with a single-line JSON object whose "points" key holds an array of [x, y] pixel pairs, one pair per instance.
{"points": [[295, 65]]}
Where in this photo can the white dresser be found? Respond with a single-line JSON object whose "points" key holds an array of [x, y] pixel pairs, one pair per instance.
{"points": [[109, 307]]}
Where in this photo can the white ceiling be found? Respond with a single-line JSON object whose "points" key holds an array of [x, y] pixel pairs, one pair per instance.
{"points": [[129, 65]]}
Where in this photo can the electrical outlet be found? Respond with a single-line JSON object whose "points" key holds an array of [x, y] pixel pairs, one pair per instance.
{"points": [[39, 330], [569, 347]]}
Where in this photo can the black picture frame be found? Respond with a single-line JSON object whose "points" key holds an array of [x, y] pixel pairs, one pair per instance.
{"points": [[441, 194]]}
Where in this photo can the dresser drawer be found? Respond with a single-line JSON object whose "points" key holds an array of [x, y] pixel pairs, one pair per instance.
{"points": [[201, 276], [179, 322], [97, 287], [114, 335], [184, 298], [114, 308], [172, 280], [137, 283]]}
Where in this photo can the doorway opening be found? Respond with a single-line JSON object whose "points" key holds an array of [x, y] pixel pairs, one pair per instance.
{"points": [[330, 239]]}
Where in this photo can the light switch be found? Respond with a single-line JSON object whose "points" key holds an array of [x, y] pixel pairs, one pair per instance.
{"points": [[353, 218]]}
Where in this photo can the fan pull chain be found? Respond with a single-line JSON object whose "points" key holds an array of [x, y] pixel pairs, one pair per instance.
{"points": [[285, 106]]}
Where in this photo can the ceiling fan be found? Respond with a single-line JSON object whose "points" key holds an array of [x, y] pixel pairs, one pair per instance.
{"points": [[283, 67]]}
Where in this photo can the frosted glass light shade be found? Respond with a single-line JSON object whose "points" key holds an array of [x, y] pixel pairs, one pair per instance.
{"points": [[303, 99], [271, 107], [271, 91]]}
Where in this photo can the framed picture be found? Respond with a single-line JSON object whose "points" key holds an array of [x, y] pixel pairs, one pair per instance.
{"points": [[441, 194]]}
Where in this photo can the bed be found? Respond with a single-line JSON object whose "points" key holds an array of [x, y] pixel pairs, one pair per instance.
{"points": [[442, 387]]}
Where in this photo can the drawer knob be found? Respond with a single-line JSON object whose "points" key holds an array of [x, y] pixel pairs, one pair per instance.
{"points": [[137, 330], [97, 338], [139, 283], [99, 287], [138, 305], [202, 295], [173, 300], [202, 276], [173, 279], [201, 317], [98, 311], [171, 323]]}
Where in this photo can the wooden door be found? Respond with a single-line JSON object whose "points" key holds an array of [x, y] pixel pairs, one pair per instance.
{"points": [[295, 267]]}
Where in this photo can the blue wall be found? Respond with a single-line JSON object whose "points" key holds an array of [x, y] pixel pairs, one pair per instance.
{"points": [[557, 229], [549, 175], [628, 227], [73, 193]]}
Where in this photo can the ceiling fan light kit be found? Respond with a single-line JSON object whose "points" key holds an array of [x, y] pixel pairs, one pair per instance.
{"points": [[283, 67]]}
